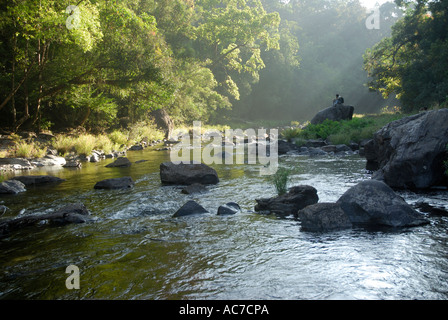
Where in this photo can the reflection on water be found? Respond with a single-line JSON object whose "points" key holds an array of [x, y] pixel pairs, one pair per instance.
{"points": [[135, 249]]}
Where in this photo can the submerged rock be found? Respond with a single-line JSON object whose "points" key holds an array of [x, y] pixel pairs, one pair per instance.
{"points": [[432, 210], [190, 208], [73, 213], [37, 180], [187, 173], [194, 188], [297, 198], [373, 203], [115, 183]]}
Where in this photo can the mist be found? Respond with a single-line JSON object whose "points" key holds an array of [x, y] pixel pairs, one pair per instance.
{"points": [[321, 55]]}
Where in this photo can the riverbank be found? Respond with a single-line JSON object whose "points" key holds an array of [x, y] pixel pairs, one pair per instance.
{"points": [[26, 150]]}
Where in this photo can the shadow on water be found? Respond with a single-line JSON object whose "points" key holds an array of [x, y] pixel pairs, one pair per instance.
{"points": [[135, 249]]}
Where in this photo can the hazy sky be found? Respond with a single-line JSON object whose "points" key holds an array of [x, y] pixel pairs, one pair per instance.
{"points": [[371, 3]]}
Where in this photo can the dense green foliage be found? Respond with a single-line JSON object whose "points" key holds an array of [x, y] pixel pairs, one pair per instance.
{"points": [[342, 132], [109, 63], [106, 64], [413, 62]]}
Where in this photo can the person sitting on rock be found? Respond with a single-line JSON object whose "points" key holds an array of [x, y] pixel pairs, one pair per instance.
{"points": [[339, 100]]}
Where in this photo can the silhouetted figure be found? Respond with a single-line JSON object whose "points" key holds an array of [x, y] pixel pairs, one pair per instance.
{"points": [[338, 100]]}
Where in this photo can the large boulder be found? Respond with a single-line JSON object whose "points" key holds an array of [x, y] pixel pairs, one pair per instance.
{"points": [[163, 122], [115, 183], [336, 113], [410, 152], [323, 217], [373, 203], [290, 203], [187, 173]]}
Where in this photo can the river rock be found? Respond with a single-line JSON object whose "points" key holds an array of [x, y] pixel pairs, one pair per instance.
{"points": [[72, 213], [323, 217], [12, 187], [297, 198], [136, 147], [410, 152], [94, 157], [432, 210], [115, 183], [194, 188], [48, 161], [336, 113], [374, 203], [15, 164], [73, 164], [228, 209], [37, 180], [190, 208], [187, 173], [3, 209], [121, 162], [283, 147], [314, 143]]}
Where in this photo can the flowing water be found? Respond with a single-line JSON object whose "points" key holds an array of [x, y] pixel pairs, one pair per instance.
{"points": [[135, 249]]}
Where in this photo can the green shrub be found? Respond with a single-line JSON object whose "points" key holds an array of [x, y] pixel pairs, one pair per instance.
{"points": [[142, 130], [280, 180], [85, 144], [63, 144], [291, 133], [102, 142], [29, 150], [118, 137]]}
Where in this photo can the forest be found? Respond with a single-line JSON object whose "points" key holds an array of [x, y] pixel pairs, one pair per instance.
{"points": [[106, 64]]}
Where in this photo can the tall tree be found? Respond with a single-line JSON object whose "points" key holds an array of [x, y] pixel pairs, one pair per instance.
{"points": [[413, 62]]}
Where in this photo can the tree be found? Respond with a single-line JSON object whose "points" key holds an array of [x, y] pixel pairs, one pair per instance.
{"points": [[413, 62], [231, 35]]}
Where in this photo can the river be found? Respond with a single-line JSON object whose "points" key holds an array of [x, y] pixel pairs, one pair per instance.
{"points": [[135, 249]]}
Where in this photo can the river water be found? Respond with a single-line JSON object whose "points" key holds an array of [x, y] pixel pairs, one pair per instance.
{"points": [[135, 249]]}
